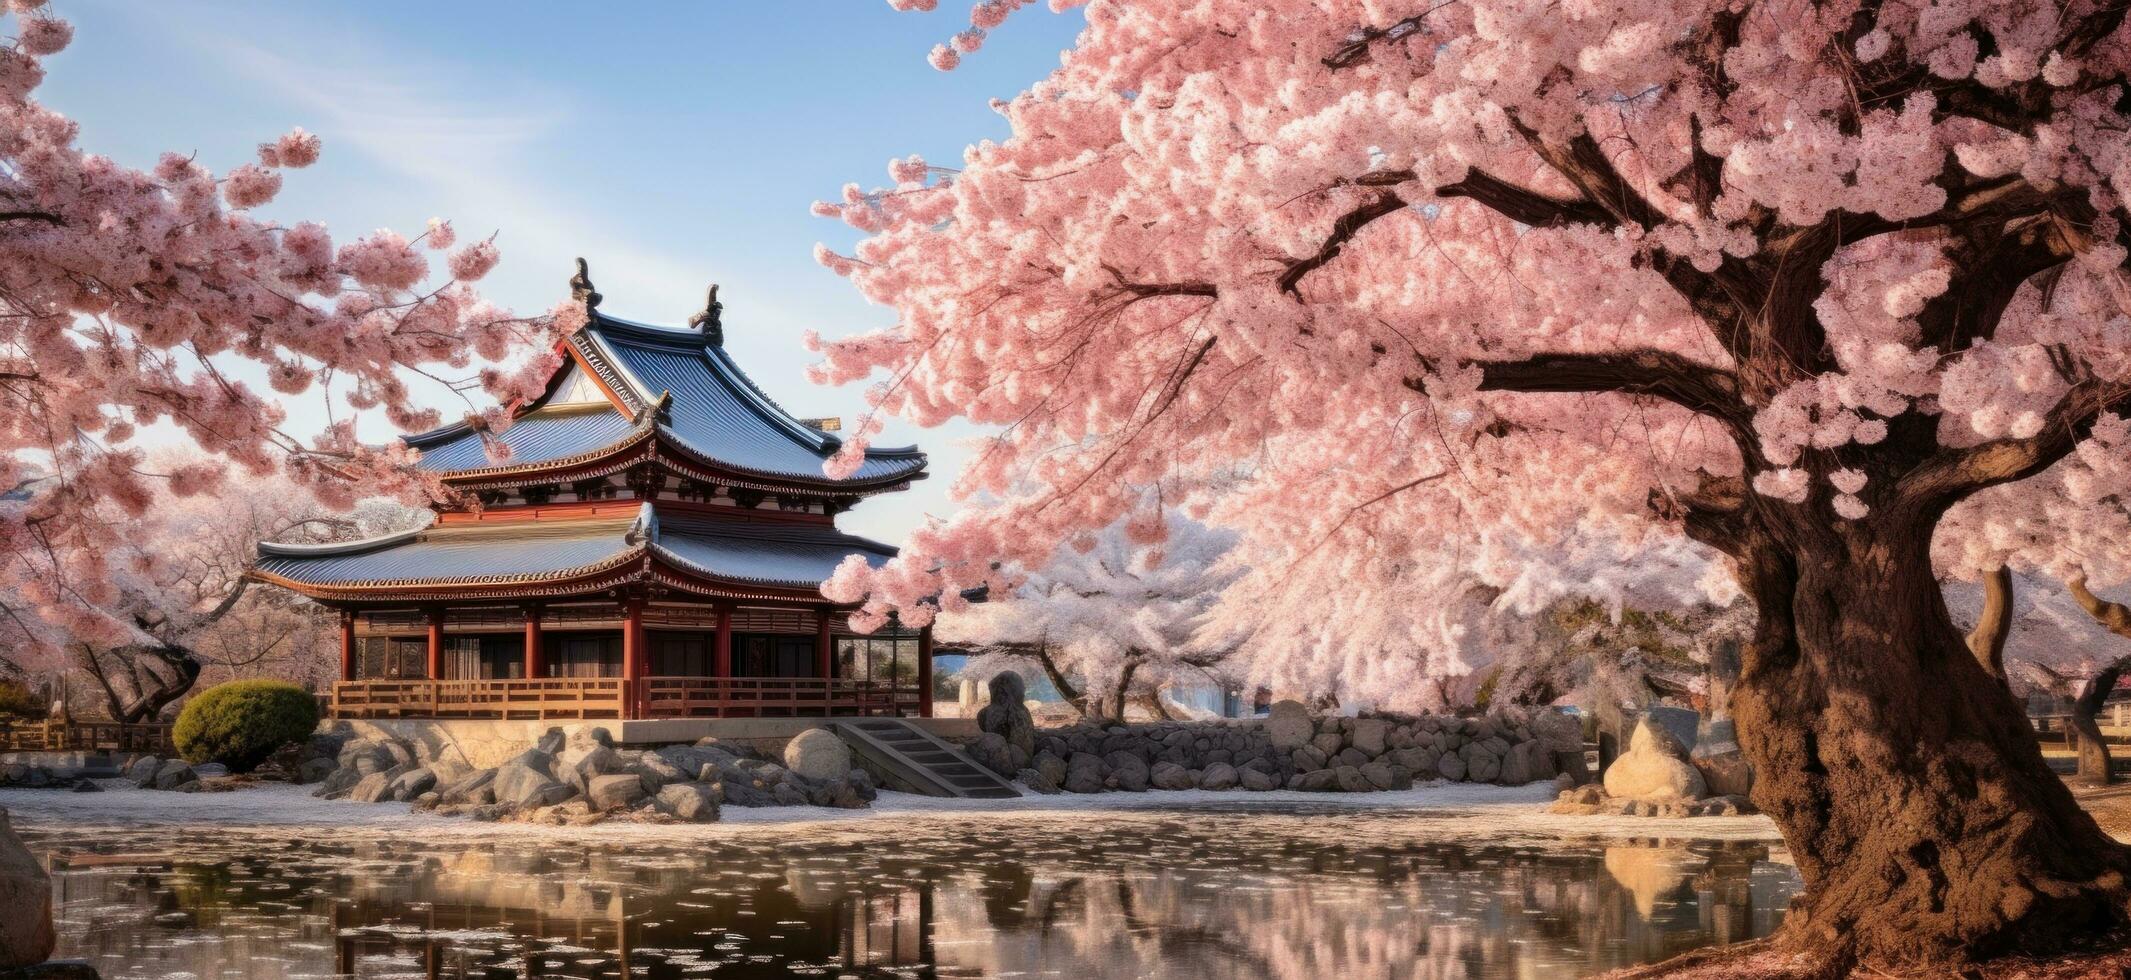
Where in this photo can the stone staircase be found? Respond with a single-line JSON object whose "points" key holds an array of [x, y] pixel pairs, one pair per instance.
{"points": [[909, 759]]}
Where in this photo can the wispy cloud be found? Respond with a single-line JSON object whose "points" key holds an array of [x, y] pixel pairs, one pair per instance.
{"points": [[472, 141]]}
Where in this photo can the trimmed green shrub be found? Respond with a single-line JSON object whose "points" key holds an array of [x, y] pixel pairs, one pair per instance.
{"points": [[241, 723]]}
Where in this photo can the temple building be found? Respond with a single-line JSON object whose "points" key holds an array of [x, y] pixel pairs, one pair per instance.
{"points": [[652, 545]]}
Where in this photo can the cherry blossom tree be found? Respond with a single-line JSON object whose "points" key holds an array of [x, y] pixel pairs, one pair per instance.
{"points": [[2039, 549], [129, 299], [1790, 279], [1109, 618]]}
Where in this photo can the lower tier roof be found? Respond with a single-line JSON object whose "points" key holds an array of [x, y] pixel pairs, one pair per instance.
{"points": [[476, 555]]}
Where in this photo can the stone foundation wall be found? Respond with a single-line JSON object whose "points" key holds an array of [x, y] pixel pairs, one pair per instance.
{"points": [[1291, 750]]}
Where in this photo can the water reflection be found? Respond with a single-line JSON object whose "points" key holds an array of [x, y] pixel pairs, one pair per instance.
{"points": [[1204, 895]]}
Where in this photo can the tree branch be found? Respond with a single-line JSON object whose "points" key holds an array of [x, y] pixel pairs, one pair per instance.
{"points": [[1950, 474], [1343, 230], [2114, 616], [1697, 387], [1523, 205]]}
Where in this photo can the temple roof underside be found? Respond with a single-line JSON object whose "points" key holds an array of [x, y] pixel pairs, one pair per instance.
{"points": [[687, 552], [675, 389]]}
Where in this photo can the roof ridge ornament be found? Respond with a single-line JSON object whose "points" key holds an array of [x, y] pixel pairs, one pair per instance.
{"points": [[581, 286], [646, 526], [710, 320]]}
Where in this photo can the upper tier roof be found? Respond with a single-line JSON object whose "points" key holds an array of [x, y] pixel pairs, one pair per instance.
{"points": [[712, 412]]}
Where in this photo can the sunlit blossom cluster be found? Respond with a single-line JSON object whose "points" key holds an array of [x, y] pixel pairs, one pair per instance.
{"points": [[128, 298], [1239, 254]]}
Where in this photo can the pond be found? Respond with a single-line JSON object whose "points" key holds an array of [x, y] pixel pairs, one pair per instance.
{"points": [[1231, 892]]}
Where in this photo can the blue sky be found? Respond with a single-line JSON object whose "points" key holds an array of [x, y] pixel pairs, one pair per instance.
{"points": [[672, 146]]}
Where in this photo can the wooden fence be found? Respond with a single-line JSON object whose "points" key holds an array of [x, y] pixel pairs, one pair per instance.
{"points": [[84, 736], [534, 699], [574, 698], [774, 697]]}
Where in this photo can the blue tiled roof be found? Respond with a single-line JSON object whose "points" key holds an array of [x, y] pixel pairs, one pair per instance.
{"points": [[454, 553], [538, 437], [800, 554], [793, 555], [715, 413], [719, 414]]}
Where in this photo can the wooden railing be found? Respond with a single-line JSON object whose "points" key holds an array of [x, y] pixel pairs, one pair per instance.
{"points": [[84, 736], [774, 697], [606, 697], [537, 699]]}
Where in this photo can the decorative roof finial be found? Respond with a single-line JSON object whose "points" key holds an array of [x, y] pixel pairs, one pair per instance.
{"points": [[710, 319], [581, 286]]}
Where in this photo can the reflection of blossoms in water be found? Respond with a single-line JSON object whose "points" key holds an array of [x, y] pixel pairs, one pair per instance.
{"points": [[1214, 895]]}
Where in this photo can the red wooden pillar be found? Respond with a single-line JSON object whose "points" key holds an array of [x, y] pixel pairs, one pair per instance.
{"points": [[721, 651], [436, 644], [925, 672], [536, 660], [347, 644], [824, 655], [632, 656]]}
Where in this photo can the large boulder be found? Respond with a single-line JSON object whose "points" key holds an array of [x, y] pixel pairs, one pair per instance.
{"points": [[1725, 772], [412, 783], [692, 758], [26, 935], [478, 789], [693, 802], [1219, 776], [1127, 772], [992, 751], [1369, 735], [1288, 725], [373, 788], [1685, 724], [528, 781], [142, 772], [1655, 768], [1169, 775], [1084, 773], [656, 771], [1259, 781], [614, 791], [173, 774], [586, 753], [1007, 716], [818, 754], [315, 769], [1559, 731]]}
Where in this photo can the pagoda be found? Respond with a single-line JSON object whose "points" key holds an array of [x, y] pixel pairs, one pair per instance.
{"points": [[652, 545]]}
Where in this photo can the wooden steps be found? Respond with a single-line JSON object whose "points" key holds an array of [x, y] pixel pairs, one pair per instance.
{"points": [[912, 760]]}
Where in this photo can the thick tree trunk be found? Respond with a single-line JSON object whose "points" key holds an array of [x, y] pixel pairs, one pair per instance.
{"points": [[1906, 780], [1994, 623], [2085, 729], [2094, 762]]}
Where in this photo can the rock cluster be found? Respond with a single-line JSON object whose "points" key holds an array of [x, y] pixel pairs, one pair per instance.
{"points": [[1290, 750], [1660, 776], [149, 772], [583, 777], [23, 775]]}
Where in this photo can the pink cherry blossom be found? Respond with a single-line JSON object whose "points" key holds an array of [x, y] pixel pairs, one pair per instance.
{"points": [[472, 262], [128, 298]]}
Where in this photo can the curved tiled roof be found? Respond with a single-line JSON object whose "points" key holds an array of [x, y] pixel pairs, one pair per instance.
{"points": [[456, 554], [541, 436], [797, 555], [716, 414], [788, 555]]}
